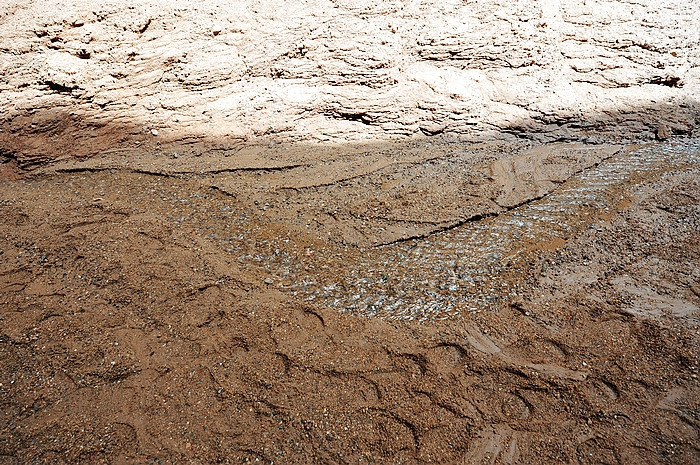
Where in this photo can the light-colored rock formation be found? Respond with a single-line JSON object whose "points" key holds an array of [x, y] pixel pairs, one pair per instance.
{"points": [[84, 75]]}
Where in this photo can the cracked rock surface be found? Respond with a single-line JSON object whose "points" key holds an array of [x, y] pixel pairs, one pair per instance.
{"points": [[90, 75]]}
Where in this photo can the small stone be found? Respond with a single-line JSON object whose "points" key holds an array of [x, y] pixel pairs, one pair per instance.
{"points": [[663, 132], [430, 128], [175, 155], [154, 132], [268, 281]]}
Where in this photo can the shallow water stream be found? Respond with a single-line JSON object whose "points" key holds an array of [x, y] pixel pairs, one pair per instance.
{"points": [[473, 267]]}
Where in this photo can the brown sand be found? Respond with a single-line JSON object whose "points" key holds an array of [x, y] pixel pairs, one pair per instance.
{"points": [[129, 335]]}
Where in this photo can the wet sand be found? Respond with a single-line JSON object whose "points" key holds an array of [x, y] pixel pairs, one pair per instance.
{"points": [[159, 314]]}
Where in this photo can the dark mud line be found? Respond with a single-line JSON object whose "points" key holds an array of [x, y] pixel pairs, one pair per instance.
{"points": [[505, 210]]}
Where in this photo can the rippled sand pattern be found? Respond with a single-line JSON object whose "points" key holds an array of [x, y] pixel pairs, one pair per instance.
{"points": [[471, 268]]}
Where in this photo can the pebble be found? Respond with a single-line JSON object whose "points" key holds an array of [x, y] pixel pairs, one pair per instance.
{"points": [[268, 281], [154, 132], [663, 132]]}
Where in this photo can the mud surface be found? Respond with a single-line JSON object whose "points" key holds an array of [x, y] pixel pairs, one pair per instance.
{"points": [[530, 305]]}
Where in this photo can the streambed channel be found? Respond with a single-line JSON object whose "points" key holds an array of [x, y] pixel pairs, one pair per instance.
{"points": [[474, 267]]}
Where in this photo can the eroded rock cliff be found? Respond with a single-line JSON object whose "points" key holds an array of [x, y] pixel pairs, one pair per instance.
{"points": [[81, 75]]}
